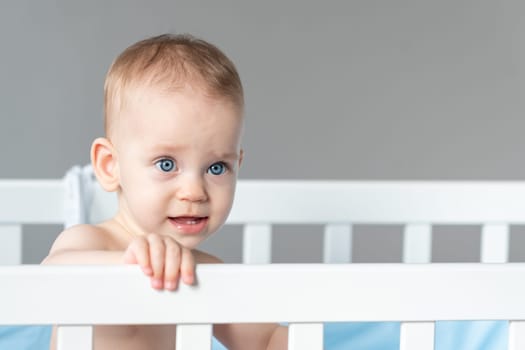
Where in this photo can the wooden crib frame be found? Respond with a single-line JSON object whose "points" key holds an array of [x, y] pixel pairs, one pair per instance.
{"points": [[305, 295]]}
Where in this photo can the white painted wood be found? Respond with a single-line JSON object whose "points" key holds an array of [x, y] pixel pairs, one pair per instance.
{"points": [[337, 246], [388, 202], [305, 336], [74, 338], [257, 244], [495, 243], [417, 243], [78, 183], [103, 206], [516, 335], [417, 336], [32, 201], [194, 337], [10, 244], [264, 293]]}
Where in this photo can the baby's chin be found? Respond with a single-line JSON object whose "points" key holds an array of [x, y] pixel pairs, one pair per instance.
{"points": [[189, 241]]}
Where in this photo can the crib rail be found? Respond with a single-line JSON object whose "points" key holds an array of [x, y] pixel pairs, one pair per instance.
{"points": [[415, 204], [357, 292], [32, 201], [265, 293], [382, 202], [27, 202]]}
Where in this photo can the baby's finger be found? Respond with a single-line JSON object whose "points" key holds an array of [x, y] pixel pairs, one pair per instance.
{"points": [[157, 260], [172, 264], [138, 253], [187, 266]]}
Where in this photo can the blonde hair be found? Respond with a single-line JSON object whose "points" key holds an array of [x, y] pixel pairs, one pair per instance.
{"points": [[170, 61]]}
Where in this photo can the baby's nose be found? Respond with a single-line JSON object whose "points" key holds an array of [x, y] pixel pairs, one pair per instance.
{"points": [[192, 189]]}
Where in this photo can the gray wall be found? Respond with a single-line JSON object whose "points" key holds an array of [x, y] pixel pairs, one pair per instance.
{"points": [[335, 90]]}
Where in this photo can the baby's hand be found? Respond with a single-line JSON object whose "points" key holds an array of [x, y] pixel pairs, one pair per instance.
{"points": [[162, 259]]}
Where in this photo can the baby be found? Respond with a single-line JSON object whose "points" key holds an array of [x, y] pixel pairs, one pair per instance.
{"points": [[172, 151]]}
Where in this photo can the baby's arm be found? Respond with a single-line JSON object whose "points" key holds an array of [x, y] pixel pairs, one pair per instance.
{"points": [[161, 258], [163, 261], [260, 336]]}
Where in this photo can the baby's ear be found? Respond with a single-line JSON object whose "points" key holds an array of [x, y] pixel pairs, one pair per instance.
{"points": [[241, 157], [104, 162]]}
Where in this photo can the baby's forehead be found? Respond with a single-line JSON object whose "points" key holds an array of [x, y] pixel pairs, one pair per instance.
{"points": [[137, 100], [195, 89]]}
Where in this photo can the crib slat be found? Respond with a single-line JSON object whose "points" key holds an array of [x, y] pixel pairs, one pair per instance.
{"points": [[194, 337], [305, 336], [417, 243], [337, 244], [417, 336], [104, 204], [257, 244], [74, 338], [516, 335], [495, 243], [10, 244]]}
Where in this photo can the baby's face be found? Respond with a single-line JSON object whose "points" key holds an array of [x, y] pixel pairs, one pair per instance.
{"points": [[178, 156]]}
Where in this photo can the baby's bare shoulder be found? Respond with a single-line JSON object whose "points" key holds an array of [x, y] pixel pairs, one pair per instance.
{"points": [[82, 237]]}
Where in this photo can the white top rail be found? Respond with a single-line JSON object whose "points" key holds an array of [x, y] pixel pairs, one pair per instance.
{"points": [[32, 201], [388, 202], [264, 293]]}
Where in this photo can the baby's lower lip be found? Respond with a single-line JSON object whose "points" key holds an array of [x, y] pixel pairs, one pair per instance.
{"points": [[189, 225]]}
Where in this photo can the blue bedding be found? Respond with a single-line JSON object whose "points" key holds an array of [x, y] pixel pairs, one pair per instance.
{"points": [[479, 335], [25, 337]]}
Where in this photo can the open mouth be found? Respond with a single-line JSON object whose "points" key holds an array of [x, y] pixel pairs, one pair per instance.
{"points": [[187, 220], [189, 224]]}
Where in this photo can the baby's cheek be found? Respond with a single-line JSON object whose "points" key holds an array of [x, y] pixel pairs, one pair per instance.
{"points": [[223, 206], [148, 208]]}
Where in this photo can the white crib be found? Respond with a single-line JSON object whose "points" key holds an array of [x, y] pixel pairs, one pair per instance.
{"points": [[305, 295]]}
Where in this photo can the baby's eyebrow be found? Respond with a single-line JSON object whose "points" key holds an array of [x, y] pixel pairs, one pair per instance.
{"points": [[229, 156], [165, 147]]}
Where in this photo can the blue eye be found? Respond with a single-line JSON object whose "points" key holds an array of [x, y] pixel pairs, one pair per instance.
{"points": [[166, 165], [217, 168]]}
